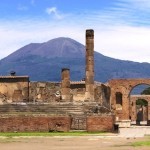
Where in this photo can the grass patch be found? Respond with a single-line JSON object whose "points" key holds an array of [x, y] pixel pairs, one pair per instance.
{"points": [[73, 133], [141, 143]]}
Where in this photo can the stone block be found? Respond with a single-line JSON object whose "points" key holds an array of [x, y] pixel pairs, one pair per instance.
{"points": [[123, 123], [41, 84]]}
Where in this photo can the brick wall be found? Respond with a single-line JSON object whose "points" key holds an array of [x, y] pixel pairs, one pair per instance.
{"points": [[100, 123], [34, 123]]}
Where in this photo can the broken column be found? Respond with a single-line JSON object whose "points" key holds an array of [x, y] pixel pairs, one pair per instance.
{"points": [[89, 79], [65, 84]]}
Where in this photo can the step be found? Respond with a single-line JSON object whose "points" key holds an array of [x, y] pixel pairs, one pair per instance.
{"points": [[50, 109]]}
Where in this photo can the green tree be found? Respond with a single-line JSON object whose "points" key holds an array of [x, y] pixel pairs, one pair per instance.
{"points": [[146, 91], [141, 102]]}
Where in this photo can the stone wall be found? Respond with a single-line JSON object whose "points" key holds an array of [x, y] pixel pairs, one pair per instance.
{"points": [[44, 92], [51, 92], [34, 123], [14, 89], [102, 95], [100, 123], [77, 92]]}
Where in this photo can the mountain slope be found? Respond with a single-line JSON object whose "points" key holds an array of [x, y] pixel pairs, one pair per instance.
{"points": [[43, 61], [59, 47]]}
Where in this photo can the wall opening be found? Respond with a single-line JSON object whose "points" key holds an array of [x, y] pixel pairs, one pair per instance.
{"points": [[139, 98], [118, 101], [142, 110]]}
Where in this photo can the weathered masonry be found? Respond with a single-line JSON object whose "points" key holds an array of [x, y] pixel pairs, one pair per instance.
{"points": [[14, 88], [89, 78], [69, 105], [121, 102]]}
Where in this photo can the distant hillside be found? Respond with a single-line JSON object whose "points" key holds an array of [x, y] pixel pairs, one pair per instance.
{"points": [[43, 62]]}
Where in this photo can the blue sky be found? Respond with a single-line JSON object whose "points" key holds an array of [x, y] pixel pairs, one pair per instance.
{"points": [[122, 27]]}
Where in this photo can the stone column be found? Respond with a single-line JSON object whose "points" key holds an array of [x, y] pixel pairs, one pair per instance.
{"points": [[65, 84], [134, 115], [89, 79], [149, 111], [148, 121]]}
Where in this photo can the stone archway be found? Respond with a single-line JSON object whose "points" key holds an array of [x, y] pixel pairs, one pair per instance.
{"points": [[124, 86], [133, 109]]}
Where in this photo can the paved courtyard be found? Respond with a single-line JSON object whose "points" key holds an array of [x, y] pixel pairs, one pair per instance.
{"points": [[70, 143]]}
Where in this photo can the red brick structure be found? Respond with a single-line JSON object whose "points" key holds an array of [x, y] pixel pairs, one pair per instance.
{"points": [[100, 123], [133, 109], [120, 95], [34, 123]]}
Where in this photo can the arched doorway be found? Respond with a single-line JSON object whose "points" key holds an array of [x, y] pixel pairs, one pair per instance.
{"points": [[124, 86], [139, 98], [141, 111]]}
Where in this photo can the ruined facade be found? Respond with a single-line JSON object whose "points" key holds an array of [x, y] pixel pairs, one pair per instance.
{"points": [[143, 111], [14, 89], [68, 105], [121, 102]]}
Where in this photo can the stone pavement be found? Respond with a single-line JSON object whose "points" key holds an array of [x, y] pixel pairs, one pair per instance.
{"points": [[134, 131]]}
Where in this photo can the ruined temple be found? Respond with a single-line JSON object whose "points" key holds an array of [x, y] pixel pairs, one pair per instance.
{"points": [[69, 105]]}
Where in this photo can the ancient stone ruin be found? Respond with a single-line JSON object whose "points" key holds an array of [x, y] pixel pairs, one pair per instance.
{"points": [[69, 105]]}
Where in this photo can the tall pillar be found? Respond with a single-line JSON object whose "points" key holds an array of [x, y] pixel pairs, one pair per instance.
{"points": [[89, 79], [65, 84], [149, 111]]}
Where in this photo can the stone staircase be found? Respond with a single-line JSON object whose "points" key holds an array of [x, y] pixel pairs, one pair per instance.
{"points": [[62, 109], [77, 112]]}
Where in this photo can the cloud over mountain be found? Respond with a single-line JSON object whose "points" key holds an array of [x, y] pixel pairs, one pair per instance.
{"points": [[44, 61]]}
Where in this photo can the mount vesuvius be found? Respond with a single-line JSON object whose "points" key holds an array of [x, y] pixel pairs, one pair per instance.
{"points": [[44, 61]]}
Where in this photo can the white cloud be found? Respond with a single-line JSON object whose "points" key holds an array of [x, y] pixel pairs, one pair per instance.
{"points": [[129, 12], [139, 3], [116, 35], [18, 34], [55, 12], [122, 42], [51, 10]]}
